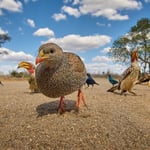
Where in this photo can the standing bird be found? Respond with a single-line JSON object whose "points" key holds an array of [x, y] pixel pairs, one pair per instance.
{"points": [[31, 69], [90, 80], [59, 73], [129, 77], [112, 80]]}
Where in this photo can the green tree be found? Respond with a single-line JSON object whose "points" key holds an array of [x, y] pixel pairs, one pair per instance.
{"points": [[16, 74], [138, 37], [3, 38]]}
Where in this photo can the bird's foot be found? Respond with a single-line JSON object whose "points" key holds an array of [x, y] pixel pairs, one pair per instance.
{"points": [[133, 93], [80, 98], [123, 92], [61, 105]]}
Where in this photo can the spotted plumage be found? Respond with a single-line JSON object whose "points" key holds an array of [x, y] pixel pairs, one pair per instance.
{"points": [[59, 73]]}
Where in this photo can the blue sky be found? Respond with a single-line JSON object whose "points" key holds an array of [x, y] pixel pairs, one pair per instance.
{"points": [[85, 27]]}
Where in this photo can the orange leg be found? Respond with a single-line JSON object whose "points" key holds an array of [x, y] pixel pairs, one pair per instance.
{"points": [[80, 98], [61, 107]]}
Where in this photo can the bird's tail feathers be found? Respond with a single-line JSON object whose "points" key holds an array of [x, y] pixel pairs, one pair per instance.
{"points": [[97, 83]]}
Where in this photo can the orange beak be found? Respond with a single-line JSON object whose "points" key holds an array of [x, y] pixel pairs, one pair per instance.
{"points": [[38, 60], [41, 57]]}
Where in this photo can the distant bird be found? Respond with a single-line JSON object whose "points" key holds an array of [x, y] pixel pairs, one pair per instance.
{"points": [[90, 80], [59, 73], [112, 80], [31, 69], [129, 77], [1, 83]]}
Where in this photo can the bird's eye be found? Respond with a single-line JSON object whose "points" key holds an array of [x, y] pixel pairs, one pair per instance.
{"points": [[51, 51]]}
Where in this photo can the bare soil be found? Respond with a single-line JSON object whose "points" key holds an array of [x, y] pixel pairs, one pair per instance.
{"points": [[111, 121]]}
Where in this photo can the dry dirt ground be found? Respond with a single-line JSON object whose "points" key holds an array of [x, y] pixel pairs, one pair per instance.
{"points": [[111, 122]]}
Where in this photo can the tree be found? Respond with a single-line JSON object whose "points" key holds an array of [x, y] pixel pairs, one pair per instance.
{"points": [[138, 37], [3, 38], [16, 74]]}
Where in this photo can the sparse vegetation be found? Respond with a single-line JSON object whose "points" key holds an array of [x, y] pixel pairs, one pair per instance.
{"points": [[138, 37]]}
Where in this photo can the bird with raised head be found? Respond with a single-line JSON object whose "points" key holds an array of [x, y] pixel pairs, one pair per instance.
{"points": [[112, 80], [31, 69], [90, 80], [59, 73], [129, 77]]}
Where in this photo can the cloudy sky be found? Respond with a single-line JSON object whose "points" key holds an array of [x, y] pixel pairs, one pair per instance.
{"points": [[85, 27]]}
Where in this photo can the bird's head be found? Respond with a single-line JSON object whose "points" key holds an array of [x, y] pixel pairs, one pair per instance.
{"points": [[49, 53], [88, 74], [134, 55], [27, 65]]}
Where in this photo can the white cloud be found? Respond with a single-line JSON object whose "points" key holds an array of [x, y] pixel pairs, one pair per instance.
{"points": [[59, 17], [67, 1], [101, 59], [75, 2], [31, 22], [10, 60], [104, 64], [147, 1], [99, 68], [15, 56], [111, 14], [71, 11], [11, 5], [6, 69], [100, 24], [106, 50], [2, 31], [109, 9], [75, 42], [44, 32], [26, 1], [103, 24]]}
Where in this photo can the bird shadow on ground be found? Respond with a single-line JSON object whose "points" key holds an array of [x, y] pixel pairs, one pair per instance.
{"points": [[125, 94], [52, 107]]}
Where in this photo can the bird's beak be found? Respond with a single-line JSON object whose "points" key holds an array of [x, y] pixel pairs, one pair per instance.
{"points": [[41, 57], [20, 65]]}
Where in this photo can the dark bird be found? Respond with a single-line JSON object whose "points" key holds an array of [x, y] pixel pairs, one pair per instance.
{"points": [[31, 69], [90, 80], [112, 80], [129, 77], [59, 73], [1, 83]]}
